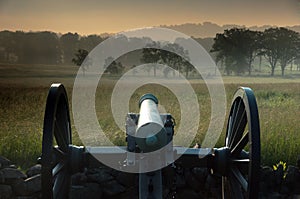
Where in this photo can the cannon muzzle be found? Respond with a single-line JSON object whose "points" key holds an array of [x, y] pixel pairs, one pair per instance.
{"points": [[150, 133]]}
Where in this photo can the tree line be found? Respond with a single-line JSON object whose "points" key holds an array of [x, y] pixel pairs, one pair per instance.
{"points": [[234, 50], [237, 48], [43, 47]]}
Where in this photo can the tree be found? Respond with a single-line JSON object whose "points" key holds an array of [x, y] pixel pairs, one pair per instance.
{"points": [[69, 45], [171, 54], [237, 48], [30, 48], [280, 45], [82, 59], [112, 66], [89, 42], [289, 41], [176, 57], [152, 54]]}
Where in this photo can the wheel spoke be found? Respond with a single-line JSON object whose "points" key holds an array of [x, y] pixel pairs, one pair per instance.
{"points": [[228, 132], [223, 188], [61, 186], [235, 188], [240, 178], [59, 154], [58, 168], [239, 129], [233, 118], [239, 124], [240, 161], [240, 145]]}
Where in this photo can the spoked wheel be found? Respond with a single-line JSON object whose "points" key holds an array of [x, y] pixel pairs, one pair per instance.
{"points": [[242, 148], [56, 174]]}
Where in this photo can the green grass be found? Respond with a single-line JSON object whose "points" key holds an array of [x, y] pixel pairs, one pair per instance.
{"points": [[23, 98]]}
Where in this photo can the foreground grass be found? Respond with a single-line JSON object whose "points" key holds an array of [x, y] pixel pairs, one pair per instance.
{"points": [[22, 112]]}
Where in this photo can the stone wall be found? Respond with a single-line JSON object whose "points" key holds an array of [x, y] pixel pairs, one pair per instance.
{"points": [[17, 184], [177, 183]]}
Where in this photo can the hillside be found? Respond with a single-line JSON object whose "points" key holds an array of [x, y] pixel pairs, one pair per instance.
{"points": [[209, 29]]}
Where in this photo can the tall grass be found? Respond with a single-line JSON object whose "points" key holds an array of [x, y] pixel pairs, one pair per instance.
{"points": [[22, 112]]}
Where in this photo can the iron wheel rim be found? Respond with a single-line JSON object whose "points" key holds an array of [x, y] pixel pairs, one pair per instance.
{"points": [[243, 132], [55, 172]]}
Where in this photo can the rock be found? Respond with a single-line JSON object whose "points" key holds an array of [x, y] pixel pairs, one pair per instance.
{"points": [[90, 191], [112, 188], [20, 188], [99, 175], [12, 166], [192, 182], [32, 171], [201, 174], [293, 175], [180, 181], [211, 182], [284, 189], [274, 195], [35, 196], [187, 193], [267, 179], [2, 179], [4, 162], [130, 193], [216, 192], [78, 179], [297, 188], [5, 191], [11, 175], [292, 179], [28, 187], [278, 173], [34, 184], [127, 179]]}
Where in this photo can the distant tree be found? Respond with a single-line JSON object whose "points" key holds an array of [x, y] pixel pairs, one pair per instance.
{"points": [[31, 47], [81, 59], [170, 54], [152, 54], [176, 57], [7, 45], [237, 48], [69, 45], [40, 48], [297, 62], [89, 42], [113, 67], [280, 45], [290, 41]]}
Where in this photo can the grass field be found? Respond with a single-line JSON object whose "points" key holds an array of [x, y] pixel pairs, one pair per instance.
{"points": [[23, 92]]}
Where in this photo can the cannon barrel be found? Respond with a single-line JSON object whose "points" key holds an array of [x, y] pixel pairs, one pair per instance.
{"points": [[150, 133]]}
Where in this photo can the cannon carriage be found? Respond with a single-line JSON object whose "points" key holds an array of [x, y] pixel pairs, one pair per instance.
{"points": [[149, 135]]}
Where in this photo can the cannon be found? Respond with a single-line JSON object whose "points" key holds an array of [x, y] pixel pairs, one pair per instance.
{"points": [[237, 162]]}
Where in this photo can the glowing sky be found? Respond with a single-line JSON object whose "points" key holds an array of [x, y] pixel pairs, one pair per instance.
{"points": [[99, 16]]}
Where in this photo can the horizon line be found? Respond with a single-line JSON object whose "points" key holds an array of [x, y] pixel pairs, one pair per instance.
{"points": [[163, 25]]}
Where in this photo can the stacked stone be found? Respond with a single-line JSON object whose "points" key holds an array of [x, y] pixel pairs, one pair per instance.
{"points": [[181, 183], [280, 184], [178, 183], [16, 184]]}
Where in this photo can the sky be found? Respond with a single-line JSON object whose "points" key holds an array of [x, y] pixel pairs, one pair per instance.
{"points": [[112, 16]]}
